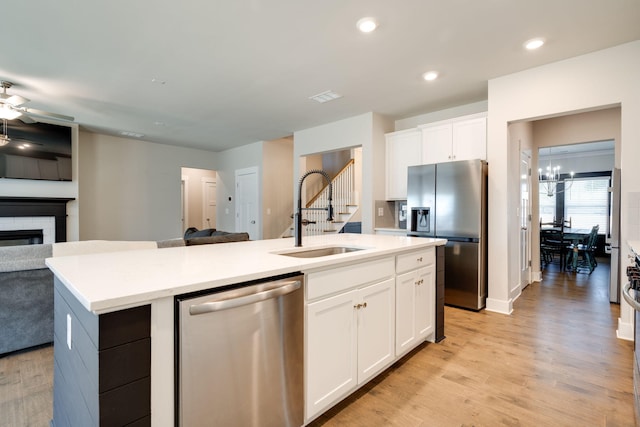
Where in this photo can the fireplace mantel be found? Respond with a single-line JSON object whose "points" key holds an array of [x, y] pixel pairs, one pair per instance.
{"points": [[38, 206]]}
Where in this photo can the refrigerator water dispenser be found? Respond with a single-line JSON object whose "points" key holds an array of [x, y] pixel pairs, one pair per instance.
{"points": [[420, 220]]}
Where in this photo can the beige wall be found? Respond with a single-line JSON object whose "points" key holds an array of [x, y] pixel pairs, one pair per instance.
{"points": [[277, 199], [130, 189]]}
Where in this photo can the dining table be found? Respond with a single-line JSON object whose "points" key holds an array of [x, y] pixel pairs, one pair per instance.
{"points": [[571, 236]]}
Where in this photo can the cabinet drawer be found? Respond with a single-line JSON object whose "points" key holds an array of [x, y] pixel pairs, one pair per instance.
{"points": [[340, 279], [415, 260]]}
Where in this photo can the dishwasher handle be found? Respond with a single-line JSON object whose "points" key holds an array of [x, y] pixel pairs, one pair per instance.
{"points": [[225, 301]]}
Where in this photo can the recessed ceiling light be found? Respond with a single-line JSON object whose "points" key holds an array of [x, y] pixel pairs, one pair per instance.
{"points": [[367, 25], [430, 75], [325, 96], [534, 43]]}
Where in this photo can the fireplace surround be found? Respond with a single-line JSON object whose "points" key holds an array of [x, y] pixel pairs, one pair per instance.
{"points": [[55, 207]]}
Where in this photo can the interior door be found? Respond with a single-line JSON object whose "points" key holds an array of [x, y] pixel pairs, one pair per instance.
{"points": [[247, 210], [525, 219], [209, 206]]}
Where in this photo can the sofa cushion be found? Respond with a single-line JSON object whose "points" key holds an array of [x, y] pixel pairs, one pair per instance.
{"points": [[192, 232], [219, 237]]}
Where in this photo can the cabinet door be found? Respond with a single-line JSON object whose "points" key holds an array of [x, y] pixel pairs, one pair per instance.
{"points": [[436, 143], [403, 149], [470, 139], [330, 370], [376, 328], [425, 302], [406, 334]]}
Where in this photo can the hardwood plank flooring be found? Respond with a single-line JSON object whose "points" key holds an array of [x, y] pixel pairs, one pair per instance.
{"points": [[554, 362]]}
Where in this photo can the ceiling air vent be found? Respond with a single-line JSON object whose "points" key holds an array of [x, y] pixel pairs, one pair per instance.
{"points": [[325, 96]]}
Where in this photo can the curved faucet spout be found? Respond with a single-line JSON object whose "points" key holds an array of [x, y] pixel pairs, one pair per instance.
{"points": [[298, 216]]}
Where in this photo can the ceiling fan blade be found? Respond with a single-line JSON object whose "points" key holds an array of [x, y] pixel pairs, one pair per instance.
{"points": [[14, 100], [40, 113], [27, 119]]}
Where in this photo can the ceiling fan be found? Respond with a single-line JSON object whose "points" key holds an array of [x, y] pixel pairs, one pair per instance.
{"points": [[11, 108]]}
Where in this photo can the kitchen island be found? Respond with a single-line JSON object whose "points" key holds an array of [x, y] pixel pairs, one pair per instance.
{"points": [[124, 303]]}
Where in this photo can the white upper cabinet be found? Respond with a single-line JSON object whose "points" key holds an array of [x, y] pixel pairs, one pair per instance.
{"points": [[403, 149], [463, 138]]}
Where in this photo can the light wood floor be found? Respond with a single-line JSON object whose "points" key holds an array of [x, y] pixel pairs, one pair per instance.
{"points": [[554, 362]]}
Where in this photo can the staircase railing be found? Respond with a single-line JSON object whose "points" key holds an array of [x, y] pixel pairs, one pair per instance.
{"points": [[343, 189]]}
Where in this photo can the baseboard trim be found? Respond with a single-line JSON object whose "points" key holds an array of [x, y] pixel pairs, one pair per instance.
{"points": [[624, 331], [536, 276], [499, 306]]}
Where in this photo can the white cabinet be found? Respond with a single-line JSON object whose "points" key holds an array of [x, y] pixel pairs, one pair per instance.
{"points": [[350, 335], [463, 138], [403, 149], [332, 349], [415, 299], [376, 328]]}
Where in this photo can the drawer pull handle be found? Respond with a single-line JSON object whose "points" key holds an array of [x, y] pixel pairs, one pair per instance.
{"points": [[420, 259], [359, 306], [420, 282]]}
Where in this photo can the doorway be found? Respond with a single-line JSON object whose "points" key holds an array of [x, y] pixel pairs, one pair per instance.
{"points": [[198, 198]]}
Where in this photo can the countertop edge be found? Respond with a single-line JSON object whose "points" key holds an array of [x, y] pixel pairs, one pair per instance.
{"points": [[98, 305]]}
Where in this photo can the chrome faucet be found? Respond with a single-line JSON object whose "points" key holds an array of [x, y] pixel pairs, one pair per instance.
{"points": [[297, 231]]}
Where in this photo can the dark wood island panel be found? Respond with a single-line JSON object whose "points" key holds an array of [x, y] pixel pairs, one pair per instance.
{"points": [[104, 379]]}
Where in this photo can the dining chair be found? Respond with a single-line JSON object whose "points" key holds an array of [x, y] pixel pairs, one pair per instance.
{"points": [[552, 243], [586, 250]]}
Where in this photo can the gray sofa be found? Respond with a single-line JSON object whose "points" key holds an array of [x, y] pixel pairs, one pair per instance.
{"points": [[26, 297], [26, 290]]}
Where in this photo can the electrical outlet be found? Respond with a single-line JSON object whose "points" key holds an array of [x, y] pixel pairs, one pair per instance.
{"points": [[380, 212], [69, 331]]}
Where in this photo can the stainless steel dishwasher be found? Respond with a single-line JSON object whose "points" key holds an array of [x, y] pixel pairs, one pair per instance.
{"points": [[240, 355]]}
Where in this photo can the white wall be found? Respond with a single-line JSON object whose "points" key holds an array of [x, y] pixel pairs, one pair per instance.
{"points": [[229, 161], [366, 130], [130, 189], [596, 80], [65, 189]]}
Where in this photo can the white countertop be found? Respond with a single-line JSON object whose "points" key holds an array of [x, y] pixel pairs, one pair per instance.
{"points": [[112, 281]]}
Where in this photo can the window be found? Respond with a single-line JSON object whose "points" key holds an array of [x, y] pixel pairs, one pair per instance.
{"points": [[586, 202]]}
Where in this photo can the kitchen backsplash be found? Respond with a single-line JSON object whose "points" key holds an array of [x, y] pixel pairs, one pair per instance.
{"points": [[393, 214]]}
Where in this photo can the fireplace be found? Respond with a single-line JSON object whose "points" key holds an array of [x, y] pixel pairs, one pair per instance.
{"points": [[21, 237], [33, 220]]}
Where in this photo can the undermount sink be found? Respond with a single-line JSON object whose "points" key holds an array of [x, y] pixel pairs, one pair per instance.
{"points": [[319, 252]]}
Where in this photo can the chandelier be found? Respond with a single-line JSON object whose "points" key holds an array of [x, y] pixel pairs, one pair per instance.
{"points": [[551, 179]]}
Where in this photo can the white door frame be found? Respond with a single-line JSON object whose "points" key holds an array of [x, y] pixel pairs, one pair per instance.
{"points": [[525, 220], [184, 183]]}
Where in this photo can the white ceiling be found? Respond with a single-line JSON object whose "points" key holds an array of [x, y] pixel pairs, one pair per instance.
{"points": [[229, 73]]}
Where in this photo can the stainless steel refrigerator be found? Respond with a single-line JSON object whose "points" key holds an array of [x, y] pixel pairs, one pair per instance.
{"points": [[449, 201]]}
